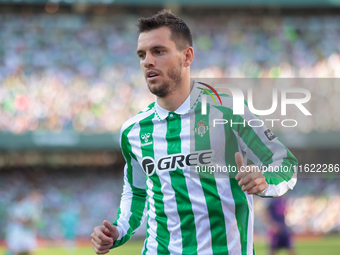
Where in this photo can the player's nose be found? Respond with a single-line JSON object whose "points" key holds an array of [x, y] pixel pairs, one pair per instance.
{"points": [[149, 60]]}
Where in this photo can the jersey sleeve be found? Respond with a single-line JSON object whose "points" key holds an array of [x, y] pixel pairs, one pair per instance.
{"points": [[266, 151], [130, 214]]}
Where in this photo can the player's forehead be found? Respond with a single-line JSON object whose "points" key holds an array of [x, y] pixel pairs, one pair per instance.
{"points": [[156, 37]]}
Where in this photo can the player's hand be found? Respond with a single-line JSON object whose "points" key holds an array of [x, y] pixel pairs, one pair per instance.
{"points": [[103, 237], [251, 177]]}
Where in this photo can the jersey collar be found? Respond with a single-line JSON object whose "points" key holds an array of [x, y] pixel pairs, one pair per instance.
{"points": [[185, 108]]}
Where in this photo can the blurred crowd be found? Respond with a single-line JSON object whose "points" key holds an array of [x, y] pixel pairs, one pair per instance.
{"points": [[313, 207], [72, 71], [84, 198]]}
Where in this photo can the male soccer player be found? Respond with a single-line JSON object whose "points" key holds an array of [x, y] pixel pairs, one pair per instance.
{"points": [[188, 215]]}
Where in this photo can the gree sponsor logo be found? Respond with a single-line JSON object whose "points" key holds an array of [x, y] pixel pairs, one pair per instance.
{"points": [[174, 161]]}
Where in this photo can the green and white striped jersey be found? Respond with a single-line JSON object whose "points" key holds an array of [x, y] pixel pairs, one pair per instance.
{"points": [[188, 213]]}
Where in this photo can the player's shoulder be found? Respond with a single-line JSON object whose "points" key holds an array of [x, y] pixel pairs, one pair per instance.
{"points": [[147, 111]]}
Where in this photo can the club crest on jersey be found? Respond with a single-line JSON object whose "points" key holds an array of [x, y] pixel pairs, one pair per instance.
{"points": [[201, 128]]}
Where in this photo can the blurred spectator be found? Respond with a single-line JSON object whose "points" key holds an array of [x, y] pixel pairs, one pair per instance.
{"points": [[69, 219], [280, 234], [21, 229]]}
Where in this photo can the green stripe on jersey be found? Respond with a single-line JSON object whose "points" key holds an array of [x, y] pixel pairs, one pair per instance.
{"points": [[163, 235], [178, 183], [216, 215]]}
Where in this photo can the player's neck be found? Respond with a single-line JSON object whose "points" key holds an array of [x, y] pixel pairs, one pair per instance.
{"points": [[173, 101]]}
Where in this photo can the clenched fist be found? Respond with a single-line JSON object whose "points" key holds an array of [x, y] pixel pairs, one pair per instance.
{"points": [[103, 237]]}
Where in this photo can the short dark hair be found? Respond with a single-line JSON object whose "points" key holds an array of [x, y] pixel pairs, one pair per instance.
{"points": [[180, 32]]}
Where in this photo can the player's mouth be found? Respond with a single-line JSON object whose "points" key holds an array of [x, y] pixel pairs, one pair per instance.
{"points": [[152, 75]]}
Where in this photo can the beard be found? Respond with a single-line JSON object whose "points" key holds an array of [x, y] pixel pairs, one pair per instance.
{"points": [[169, 85]]}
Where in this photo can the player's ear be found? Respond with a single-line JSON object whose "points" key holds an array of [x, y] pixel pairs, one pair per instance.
{"points": [[188, 56]]}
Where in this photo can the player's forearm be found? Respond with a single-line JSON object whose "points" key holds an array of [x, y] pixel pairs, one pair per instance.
{"points": [[280, 176], [130, 214]]}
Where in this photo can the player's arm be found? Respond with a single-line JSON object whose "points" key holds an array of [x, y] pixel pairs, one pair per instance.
{"points": [[131, 211], [268, 154], [130, 214]]}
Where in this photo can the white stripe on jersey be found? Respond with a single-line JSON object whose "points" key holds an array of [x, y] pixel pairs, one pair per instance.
{"points": [[250, 231]]}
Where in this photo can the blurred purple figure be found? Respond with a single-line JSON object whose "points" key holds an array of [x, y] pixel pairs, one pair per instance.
{"points": [[280, 235]]}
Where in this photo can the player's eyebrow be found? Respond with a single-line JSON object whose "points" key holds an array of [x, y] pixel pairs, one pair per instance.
{"points": [[152, 48]]}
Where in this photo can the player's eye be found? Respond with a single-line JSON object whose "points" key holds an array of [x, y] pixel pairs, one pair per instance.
{"points": [[158, 52], [141, 56]]}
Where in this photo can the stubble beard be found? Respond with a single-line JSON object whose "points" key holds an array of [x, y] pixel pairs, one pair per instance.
{"points": [[170, 85]]}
